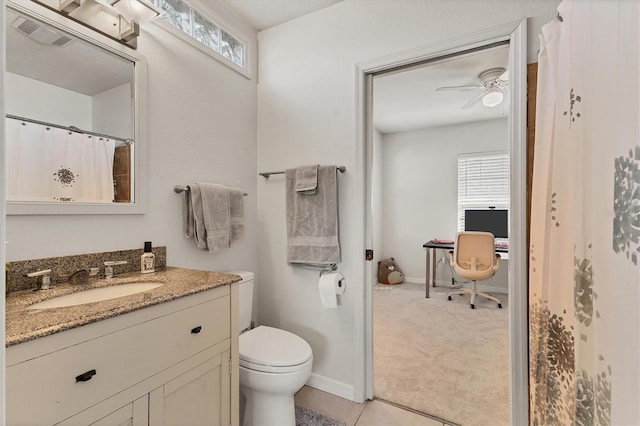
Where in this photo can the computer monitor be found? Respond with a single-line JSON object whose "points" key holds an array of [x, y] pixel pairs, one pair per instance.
{"points": [[491, 220]]}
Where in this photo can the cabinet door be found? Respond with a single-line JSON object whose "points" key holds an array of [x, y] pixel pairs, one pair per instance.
{"points": [[201, 396], [135, 413]]}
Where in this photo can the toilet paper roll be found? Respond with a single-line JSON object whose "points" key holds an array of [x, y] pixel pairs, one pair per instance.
{"points": [[330, 285]]}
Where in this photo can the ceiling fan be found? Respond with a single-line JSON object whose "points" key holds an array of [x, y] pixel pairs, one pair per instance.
{"points": [[493, 83]]}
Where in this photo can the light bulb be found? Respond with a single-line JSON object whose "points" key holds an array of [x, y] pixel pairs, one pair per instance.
{"points": [[136, 10], [492, 98]]}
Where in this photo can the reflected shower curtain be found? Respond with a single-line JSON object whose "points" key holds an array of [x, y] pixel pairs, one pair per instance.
{"points": [[584, 298], [51, 164]]}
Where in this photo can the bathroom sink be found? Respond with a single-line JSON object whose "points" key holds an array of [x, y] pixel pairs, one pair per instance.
{"points": [[96, 295]]}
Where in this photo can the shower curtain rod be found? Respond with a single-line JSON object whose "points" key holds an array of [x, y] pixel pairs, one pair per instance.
{"points": [[266, 175], [69, 128]]}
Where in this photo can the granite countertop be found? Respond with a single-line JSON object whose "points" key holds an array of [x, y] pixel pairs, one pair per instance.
{"points": [[24, 324]]}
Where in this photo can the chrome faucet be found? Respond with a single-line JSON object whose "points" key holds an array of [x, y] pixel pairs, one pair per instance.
{"points": [[108, 267], [46, 279]]}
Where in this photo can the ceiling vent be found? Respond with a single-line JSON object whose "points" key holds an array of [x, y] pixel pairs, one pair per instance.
{"points": [[40, 33]]}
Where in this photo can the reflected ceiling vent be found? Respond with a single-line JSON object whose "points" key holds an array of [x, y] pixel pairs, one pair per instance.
{"points": [[40, 33]]}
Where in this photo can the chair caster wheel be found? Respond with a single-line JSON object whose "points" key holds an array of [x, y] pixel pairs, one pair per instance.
{"points": [[472, 306], [448, 297], [500, 305]]}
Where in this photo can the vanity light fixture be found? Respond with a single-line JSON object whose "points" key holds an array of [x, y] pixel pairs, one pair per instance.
{"points": [[492, 97], [118, 19], [136, 10]]}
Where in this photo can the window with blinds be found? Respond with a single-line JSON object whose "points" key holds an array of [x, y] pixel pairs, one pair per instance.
{"points": [[483, 182]]}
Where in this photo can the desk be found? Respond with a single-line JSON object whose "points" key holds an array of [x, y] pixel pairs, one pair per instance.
{"points": [[431, 259]]}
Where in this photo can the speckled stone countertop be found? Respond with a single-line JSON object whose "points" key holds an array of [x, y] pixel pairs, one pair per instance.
{"points": [[24, 324]]}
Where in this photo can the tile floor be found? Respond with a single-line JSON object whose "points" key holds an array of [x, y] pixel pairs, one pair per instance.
{"points": [[370, 413]]}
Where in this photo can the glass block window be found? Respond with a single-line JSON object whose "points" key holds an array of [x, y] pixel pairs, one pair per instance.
{"points": [[188, 20], [483, 181]]}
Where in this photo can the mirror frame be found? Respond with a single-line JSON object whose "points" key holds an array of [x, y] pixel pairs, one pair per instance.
{"points": [[54, 19]]}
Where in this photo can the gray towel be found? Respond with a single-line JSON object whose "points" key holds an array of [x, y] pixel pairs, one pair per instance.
{"points": [[312, 220], [236, 213], [187, 214], [196, 229], [215, 211], [307, 179]]}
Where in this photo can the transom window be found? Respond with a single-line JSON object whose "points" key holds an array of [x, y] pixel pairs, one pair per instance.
{"points": [[483, 182], [188, 20]]}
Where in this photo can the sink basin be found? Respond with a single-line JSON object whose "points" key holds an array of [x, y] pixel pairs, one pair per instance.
{"points": [[96, 295]]}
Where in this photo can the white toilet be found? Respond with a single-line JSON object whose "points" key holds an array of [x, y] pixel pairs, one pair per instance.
{"points": [[274, 365]]}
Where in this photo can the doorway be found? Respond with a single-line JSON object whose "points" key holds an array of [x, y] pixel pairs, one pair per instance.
{"points": [[515, 34], [432, 135]]}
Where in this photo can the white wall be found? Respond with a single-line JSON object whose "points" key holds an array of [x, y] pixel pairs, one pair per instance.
{"points": [[201, 128], [377, 196], [420, 190], [112, 111], [306, 114], [35, 99], [2, 212]]}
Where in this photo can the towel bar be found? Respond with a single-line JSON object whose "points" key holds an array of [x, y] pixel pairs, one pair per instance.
{"points": [[266, 175], [178, 189]]}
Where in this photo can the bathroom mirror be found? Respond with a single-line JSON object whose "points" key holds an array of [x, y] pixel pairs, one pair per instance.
{"points": [[74, 104]]}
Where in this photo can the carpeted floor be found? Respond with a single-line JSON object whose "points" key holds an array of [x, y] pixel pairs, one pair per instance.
{"points": [[441, 357]]}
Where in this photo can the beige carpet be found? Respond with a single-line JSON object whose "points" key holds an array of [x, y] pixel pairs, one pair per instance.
{"points": [[441, 357]]}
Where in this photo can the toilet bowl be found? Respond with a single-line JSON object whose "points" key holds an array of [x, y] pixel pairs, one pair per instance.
{"points": [[274, 365]]}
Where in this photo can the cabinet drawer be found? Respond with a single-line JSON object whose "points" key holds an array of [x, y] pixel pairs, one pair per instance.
{"points": [[64, 382]]}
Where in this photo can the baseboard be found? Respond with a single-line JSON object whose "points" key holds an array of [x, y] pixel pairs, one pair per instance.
{"points": [[480, 287], [331, 386]]}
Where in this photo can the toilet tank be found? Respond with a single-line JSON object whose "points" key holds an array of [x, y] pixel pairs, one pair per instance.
{"points": [[245, 298]]}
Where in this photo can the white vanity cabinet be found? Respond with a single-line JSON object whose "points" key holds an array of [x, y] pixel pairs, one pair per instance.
{"points": [[171, 363]]}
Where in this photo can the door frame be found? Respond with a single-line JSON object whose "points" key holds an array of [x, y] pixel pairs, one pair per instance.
{"points": [[516, 34]]}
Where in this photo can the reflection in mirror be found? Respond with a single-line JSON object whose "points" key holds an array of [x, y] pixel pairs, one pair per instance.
{"points": [[70, 123]]}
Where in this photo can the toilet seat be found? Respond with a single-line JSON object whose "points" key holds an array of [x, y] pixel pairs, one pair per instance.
{"points": [[272, 350]]}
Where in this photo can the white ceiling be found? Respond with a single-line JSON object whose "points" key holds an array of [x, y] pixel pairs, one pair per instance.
{"points": [[78, 66], [263, 14], [408, 100]]}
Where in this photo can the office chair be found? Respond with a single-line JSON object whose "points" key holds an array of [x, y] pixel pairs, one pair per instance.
{"points": [[474, 258]]}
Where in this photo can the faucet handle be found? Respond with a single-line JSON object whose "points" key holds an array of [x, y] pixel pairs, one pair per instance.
{"points": [[39, 273], [115, 262], [46, 279], [109, 264]]}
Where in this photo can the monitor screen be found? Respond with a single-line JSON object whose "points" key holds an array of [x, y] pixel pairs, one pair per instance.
{"points": [[494, 221]]}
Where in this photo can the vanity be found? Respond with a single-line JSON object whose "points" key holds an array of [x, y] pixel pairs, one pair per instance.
{"points": [[168, 355]]}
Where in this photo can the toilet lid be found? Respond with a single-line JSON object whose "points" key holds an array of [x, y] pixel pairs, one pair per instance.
{"points": [[273, 347]]}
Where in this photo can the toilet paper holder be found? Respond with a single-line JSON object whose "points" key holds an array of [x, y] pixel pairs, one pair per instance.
{"points": [[333, 268]]}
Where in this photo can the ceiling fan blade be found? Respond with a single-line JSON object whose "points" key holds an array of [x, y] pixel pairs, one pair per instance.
{"points": [[504, 76], [473, 100], [440, 89]]}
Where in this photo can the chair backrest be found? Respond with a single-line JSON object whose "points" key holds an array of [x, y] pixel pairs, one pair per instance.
{"points": [[474, 255]]}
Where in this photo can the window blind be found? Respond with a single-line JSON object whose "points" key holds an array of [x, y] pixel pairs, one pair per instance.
{"points": [[483, 181]]}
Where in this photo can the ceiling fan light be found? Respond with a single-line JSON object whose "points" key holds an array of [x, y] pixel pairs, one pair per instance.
{"points": [[492, 98]]}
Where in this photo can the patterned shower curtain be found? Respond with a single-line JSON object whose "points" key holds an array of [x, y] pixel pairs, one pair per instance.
{"points": [[51, 164], [584, 268]]}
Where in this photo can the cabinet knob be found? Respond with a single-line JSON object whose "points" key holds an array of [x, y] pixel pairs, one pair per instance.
{"points": [[196, 330], [85, 376]]}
